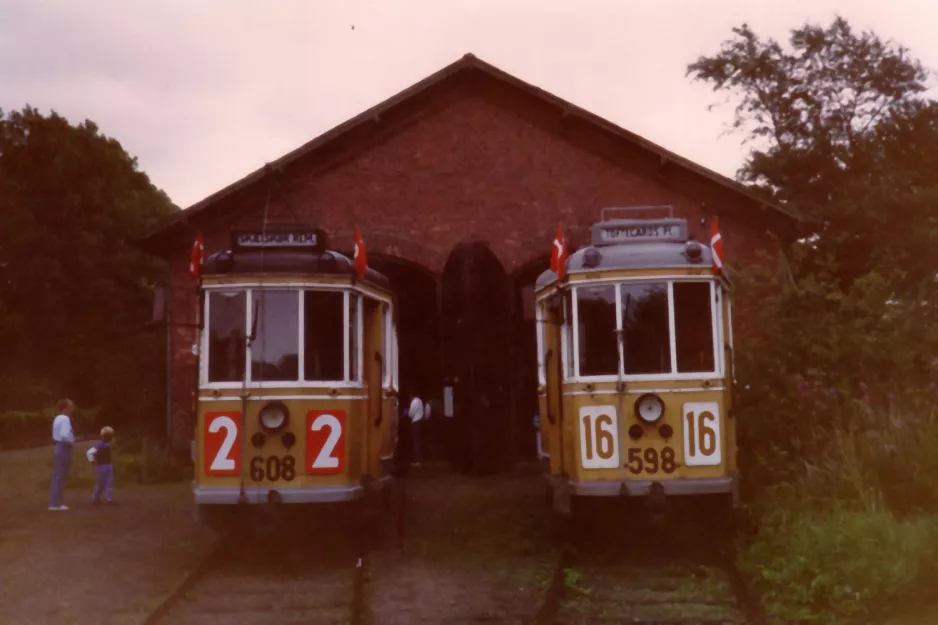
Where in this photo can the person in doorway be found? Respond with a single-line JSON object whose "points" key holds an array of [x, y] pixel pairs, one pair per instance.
{"points": [[64, 437], [416, 427], [100, 455]]}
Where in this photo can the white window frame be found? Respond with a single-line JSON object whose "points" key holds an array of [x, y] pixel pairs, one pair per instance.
{"points": [[395, 380], [387, 325], [539, 320], [248, 289], [716, 330]]}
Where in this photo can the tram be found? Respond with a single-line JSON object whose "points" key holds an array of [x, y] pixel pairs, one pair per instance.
{"points": [[635, 358], [297, 394]]}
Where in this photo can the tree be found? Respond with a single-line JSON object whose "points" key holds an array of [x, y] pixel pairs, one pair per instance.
{"points": [[74, 294], [842, 133], [840, 122], [815, 107]]}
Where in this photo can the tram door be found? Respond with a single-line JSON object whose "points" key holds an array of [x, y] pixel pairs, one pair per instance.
{"points": [[553, 365], [373, 368], [476, 351]]}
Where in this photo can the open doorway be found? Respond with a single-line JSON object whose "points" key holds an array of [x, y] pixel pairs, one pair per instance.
{"points": [[476, 306], [525, 357], [418, 336]]}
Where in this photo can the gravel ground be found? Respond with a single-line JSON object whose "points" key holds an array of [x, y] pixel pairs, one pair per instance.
{"points": [[89, 564], [472, 550], [455, 550]]}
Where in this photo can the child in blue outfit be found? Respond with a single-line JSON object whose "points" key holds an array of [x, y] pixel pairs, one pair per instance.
{"points": [[100, 455]]}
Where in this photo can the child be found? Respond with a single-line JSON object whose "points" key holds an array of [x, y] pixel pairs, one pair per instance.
{"points": [[100, 455]]}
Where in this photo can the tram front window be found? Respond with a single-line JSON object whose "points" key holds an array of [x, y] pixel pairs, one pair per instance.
{"points": [[693, 327], [596, 312], [226, 336], [275, 349], [323, 351], [646, 338]]}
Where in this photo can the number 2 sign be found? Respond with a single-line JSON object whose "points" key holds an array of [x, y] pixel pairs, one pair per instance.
{"points": [[222, 444], [325, 442]]}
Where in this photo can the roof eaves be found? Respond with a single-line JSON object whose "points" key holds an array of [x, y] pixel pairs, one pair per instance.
{"points": [[467, 61]]}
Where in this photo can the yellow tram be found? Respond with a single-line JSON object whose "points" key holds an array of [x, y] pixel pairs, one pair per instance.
{"points": [[635, 367], [297, 399]]}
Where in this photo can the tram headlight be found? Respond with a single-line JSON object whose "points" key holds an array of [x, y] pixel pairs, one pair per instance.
{"points": [[273, 417], [649, 408]]}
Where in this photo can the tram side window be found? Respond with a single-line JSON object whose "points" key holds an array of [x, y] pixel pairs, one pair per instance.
{"points": [[275, 355], [646, 337], [354, 302], [567, 337], [387, 346], [323, 351], [596, 316], [226, 336], [693, 327]]}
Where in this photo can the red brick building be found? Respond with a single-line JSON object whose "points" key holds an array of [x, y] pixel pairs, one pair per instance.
{"points": [[470, 154]]}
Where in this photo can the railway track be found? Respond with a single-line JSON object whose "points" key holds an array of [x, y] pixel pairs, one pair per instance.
{"points": [[632, 568], [618, 568], [311, 575]]}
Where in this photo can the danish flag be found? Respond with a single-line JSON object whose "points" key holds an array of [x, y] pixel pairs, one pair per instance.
{"points": [[361, 256], [716, 245], [558, 256], [197, 257]]}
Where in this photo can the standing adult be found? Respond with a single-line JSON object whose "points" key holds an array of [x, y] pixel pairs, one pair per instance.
{"points": [[64, 437], [416, 425]]}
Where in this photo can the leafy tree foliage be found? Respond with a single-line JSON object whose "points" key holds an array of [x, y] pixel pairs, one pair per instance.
{"points": [[848, 140], [841, 126], [74, 294], [837, 405]]}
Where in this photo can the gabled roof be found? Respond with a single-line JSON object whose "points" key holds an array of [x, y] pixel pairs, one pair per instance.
{"points": [[467, 63]]}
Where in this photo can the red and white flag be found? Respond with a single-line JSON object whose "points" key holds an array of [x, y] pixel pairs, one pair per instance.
{"points": [[716, 245], [558, 256], [197, 257], [361, 256]]}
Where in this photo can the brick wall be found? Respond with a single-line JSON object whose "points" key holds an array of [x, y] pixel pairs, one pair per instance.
{"points": [[487, 164]]}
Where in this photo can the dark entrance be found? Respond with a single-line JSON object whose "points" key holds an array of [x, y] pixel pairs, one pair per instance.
{"points": [[477, 358], [418, 339], [525, 357]]}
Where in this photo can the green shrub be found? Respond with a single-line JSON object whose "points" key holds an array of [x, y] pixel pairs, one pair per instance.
{"points": [[145, 462], [839, 566]]}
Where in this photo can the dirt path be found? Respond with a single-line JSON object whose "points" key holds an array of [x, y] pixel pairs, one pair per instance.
{"points": [[622, 566], [89, 565], [472, 550], [454, 549]]}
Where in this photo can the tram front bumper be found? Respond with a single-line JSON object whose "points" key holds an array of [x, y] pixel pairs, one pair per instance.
{"points": [[641, 488], [261, 495], [563, 489]]}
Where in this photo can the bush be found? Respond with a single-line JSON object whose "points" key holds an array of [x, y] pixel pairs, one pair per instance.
{"points": [[851, 533], [839, 566], [145, 462], [19, 428]]}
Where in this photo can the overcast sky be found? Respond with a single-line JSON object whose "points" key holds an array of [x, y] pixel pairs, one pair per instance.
{"points": [[203, 92]]}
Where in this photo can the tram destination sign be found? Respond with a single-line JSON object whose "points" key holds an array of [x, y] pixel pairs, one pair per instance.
{"points": [[254, 239], [639, 231]]}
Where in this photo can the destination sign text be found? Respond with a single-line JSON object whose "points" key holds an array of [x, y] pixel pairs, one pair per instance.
{"points": [[649, 232], [277, 239]]}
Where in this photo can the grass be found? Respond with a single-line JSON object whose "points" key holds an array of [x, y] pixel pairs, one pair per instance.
{"points": [[927, 616], [57, 565]]}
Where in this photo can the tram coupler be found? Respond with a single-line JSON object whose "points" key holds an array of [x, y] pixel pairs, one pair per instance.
{"points": [[656, 503]]}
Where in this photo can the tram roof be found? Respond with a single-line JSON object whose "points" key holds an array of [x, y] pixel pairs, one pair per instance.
{"points": [[288, 261], [623, 244]]}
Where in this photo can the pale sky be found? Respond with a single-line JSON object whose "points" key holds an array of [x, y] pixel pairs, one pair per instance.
{"points": [[203, 92]]}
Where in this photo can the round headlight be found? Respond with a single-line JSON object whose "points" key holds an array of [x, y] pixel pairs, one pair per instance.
{"points": [[273, 417], [649, 408]]}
